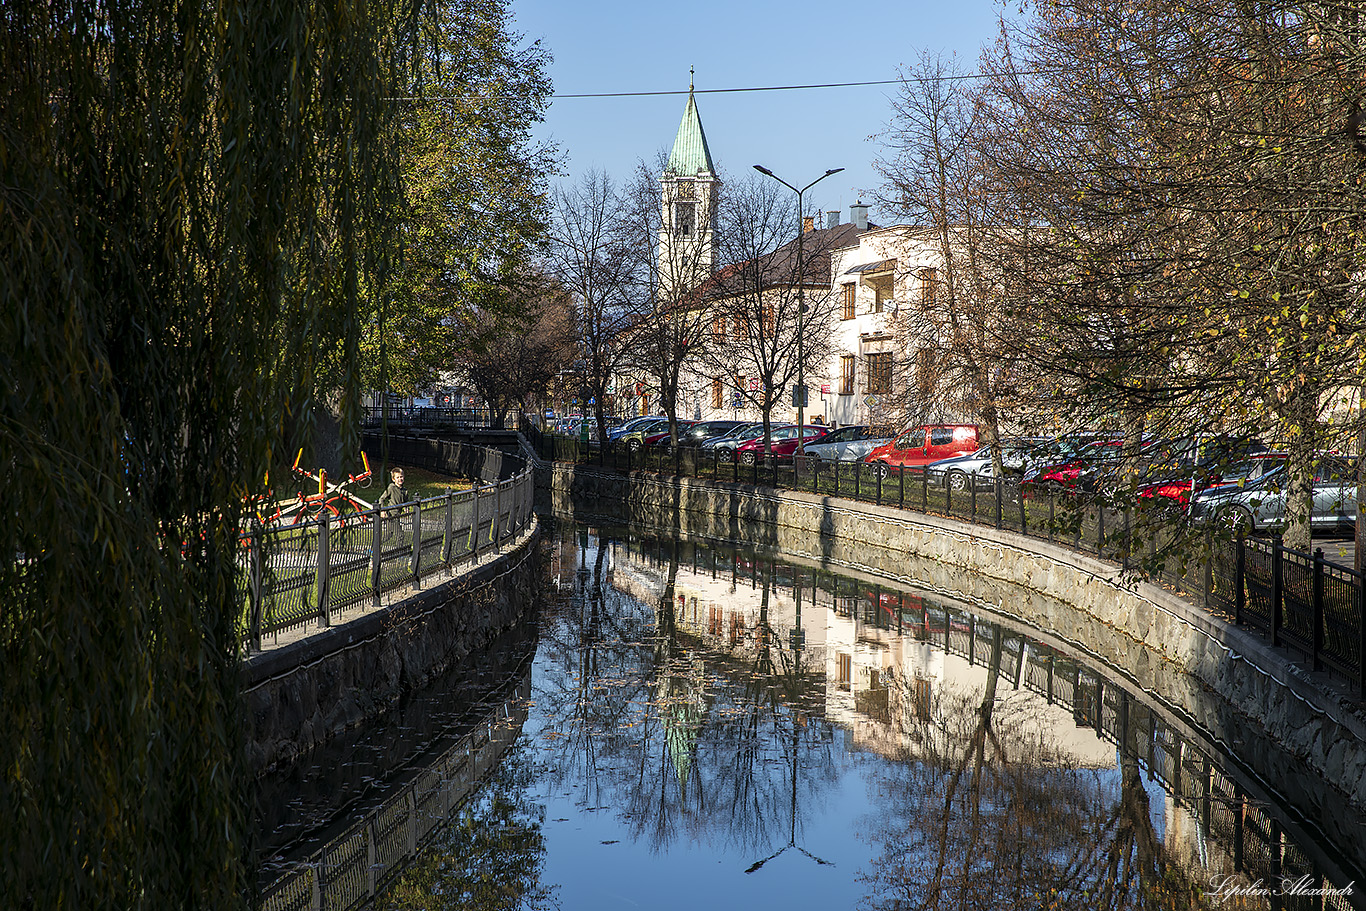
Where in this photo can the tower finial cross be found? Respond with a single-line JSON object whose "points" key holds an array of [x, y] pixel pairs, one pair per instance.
{"points": [[690, 75]]}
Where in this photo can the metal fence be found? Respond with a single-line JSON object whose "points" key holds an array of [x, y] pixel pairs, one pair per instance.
{"points": [[427, 417], [1300, 601], [353, 868], [313, 571]]}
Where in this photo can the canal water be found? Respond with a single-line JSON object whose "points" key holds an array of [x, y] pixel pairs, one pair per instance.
{"points": [[709, 726]]}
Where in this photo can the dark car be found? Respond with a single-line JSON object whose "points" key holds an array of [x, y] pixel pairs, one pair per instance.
{"points": [[702, 431], [664, 436], [783, 443]]}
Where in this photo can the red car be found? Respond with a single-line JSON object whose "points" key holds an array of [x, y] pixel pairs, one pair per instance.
{"points": [[924, 444], [783, 446]]}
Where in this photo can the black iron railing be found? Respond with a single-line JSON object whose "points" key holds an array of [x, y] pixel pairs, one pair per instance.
{"points": [[311, 572]]}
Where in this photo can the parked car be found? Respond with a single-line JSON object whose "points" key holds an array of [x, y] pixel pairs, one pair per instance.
{"points": [[846, 443], [633, 424], [663, 437], [975, 467], [702, 431], [1175, 489], [782, 443], [924, 444], [634, 438], [1082, 469], [1259, 504], [725, 445]]}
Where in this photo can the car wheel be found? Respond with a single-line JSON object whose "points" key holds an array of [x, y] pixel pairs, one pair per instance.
{"points": [[633, 445], [748, 457], [881, 469], [1236, 519], [957, 480]]}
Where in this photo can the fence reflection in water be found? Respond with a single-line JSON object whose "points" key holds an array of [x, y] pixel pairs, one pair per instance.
{"points": [[351, 870]]}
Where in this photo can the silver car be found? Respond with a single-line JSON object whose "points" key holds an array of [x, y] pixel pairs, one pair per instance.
{"points": [[850, 443], [1259, 503], [957, 472]]}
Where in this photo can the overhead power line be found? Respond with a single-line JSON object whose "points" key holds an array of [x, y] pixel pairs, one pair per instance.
{"points": [[777, 88]]}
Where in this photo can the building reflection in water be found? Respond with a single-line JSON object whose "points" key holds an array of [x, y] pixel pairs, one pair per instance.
{"points": [[1016, 770]]}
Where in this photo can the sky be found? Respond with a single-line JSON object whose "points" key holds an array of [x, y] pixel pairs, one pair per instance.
{"points": [[617, 46]]}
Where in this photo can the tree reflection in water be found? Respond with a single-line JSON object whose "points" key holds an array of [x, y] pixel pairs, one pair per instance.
{"points": [[489, 859], [681, 740], [987, 811]]}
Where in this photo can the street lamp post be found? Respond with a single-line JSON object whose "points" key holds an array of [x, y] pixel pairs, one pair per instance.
{"points": [[801, 305]]}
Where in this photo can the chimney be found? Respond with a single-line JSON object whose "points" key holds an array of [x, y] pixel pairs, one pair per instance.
{"points": [[808, 224], [832, 219], [858, 214]]}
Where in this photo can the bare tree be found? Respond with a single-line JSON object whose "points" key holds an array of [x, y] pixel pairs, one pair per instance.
{"points": [[1191, 182], [591, 256], [771, 319], [937, 176], [515, 361]]}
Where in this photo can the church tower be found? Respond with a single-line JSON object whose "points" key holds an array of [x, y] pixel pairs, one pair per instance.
{"points": [[689, 187]]}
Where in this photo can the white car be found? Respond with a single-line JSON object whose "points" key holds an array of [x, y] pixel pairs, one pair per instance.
{"points": [[846, 444]]}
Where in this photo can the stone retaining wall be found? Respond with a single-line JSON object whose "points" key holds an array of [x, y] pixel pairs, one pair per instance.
{"points": [[1269, 712], [299, 695]]}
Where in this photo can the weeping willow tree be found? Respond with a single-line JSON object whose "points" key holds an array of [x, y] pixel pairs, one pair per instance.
{"points": [[192, 198]]}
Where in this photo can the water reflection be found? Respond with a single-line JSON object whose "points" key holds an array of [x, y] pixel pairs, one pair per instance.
{"points": [[714, 727]]}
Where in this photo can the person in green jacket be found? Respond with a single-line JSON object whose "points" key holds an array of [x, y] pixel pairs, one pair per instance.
{"points": [[394, 495]]}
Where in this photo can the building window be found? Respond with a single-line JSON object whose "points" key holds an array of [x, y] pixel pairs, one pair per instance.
{"points": [[770, 320], [847, 374], [717, 392], [718, 328], [848, 300], [880, 373], [929, 284], [846, 671]]}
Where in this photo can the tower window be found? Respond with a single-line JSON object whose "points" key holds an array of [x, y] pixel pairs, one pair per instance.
{"points": [[685, 218]]}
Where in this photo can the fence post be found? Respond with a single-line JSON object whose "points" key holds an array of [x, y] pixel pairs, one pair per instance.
{"points": [[474, 524], [495, 530], [416, 557], [324, 567], [1277, 553], [998, 503], [1209, 565], [1100, 529], [880, 472], [448, 540], [1318, 608], [924, 490], [1240, 577], [376, 553], [1019, 495], [254, 633]]}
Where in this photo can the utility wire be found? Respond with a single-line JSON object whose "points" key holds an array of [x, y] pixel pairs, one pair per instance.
{"points": [[786, 88]]}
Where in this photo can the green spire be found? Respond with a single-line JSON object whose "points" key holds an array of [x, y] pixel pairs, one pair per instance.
{"points": [[690, 153]]}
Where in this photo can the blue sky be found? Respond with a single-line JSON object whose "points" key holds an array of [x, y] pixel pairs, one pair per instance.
{"points": [[619, 46]]}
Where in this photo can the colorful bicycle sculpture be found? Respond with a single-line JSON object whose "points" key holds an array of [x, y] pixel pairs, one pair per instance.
{"points": [[335, 500]]}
